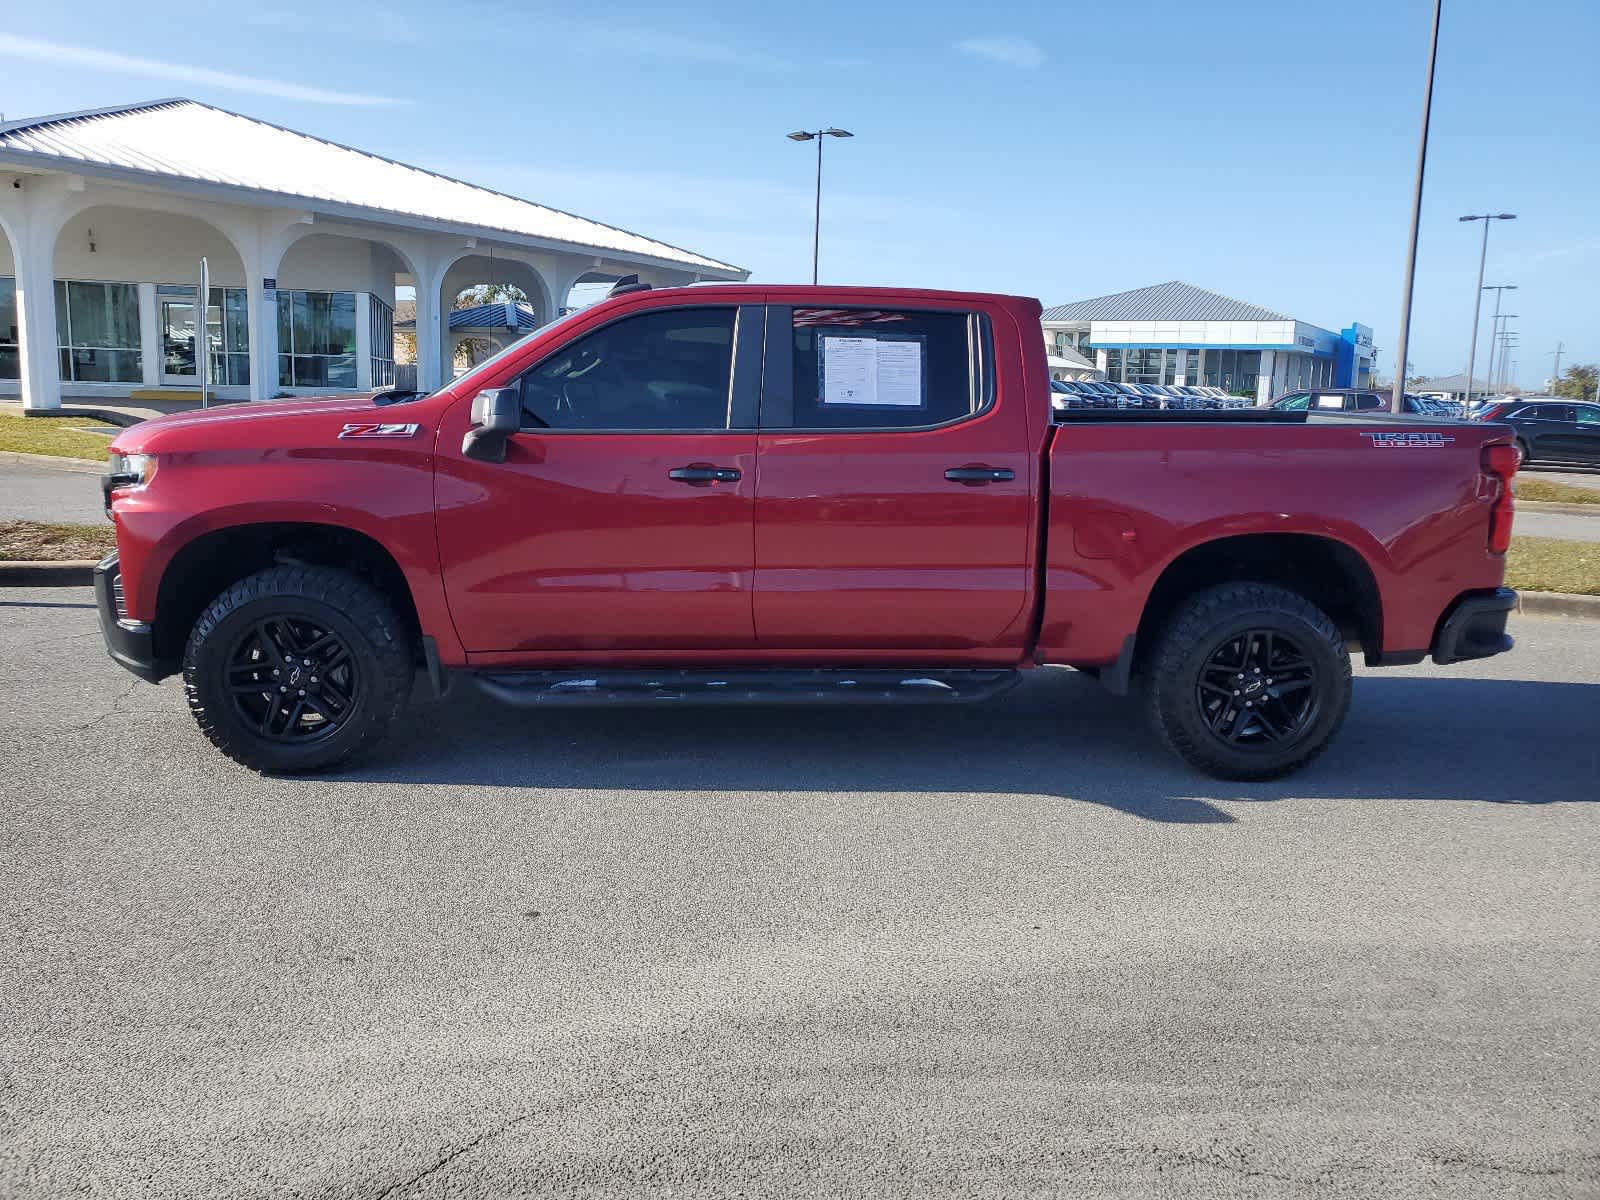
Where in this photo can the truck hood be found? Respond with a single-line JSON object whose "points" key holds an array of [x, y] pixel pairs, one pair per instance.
{"points": [[267, 415]]}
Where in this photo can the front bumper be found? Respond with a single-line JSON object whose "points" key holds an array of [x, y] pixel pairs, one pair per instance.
{"points": [[130, 643], [1475, 627]]}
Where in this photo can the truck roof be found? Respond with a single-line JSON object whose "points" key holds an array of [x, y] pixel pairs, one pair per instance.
{"points": [[833, 294]]}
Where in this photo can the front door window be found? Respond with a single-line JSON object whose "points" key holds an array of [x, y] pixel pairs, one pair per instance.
{"points": [[177, 341]]}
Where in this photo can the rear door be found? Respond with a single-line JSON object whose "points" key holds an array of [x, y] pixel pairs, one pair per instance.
{"points": [[621, 518], [1551, 430], [893, 511]]}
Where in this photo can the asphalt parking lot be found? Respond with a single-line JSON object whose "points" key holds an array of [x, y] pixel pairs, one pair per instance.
{"points": [[1005, 950]]}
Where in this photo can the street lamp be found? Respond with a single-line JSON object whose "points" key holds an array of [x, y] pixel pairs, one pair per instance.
{"points": [[1477, 295], [816, 135]]}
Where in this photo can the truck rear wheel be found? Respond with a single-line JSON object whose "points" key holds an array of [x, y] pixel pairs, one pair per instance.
{"points": [[1248, 681], [296, 668]]}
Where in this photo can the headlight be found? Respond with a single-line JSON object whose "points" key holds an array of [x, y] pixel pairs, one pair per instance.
{"points": [[127, 472], [131, 470]]}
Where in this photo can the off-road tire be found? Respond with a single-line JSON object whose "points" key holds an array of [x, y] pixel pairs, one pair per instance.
{"points": [[374, 635], [1193, 633]]}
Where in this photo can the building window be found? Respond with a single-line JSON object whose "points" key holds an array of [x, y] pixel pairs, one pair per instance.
{"points": [[1191, 366], [97, 332], [1143, 366], [1114, 365], [1247, 369], [228, 335], [317, 339], [10, 336], [381, 326]]}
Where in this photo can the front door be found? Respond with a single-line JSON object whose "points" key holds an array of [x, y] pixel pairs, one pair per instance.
{"points": [[894, 510], [178, 342], [622, 516]]}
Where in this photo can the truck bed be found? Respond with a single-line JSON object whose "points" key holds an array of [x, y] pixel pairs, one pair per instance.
{"points": [[1405, 495]]}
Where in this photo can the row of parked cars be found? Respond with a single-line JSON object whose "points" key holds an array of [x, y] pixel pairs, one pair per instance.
{"points": [[1096, 394]]}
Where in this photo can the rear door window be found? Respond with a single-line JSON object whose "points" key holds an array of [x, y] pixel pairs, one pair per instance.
{"points": [[867, 368]]}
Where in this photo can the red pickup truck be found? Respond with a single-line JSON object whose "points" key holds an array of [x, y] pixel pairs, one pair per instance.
{"points": [[793, 494]]}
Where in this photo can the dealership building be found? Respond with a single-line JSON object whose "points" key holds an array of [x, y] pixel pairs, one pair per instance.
{"points": [[105, 216], [1176, 333]]}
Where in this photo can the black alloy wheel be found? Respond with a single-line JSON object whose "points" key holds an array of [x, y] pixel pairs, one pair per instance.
{"points": [[292, 679], [1247, 680], [296, 668], [1258, 689]]}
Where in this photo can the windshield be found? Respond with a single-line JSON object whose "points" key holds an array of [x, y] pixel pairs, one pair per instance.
{"points": [[1296, 402]]}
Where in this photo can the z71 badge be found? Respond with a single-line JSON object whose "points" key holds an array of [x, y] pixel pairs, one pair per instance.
{"points": [[374, 429], [1411, 440]]}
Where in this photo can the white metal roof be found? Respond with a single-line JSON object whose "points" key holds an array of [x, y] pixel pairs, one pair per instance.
{"points": [[184, 140], [1174, 301]]}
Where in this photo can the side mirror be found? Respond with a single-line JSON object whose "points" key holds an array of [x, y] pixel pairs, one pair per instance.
{"points": [[496, 415]]}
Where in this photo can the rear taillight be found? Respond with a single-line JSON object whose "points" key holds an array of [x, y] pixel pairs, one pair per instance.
{"points": [[1500, 462]]}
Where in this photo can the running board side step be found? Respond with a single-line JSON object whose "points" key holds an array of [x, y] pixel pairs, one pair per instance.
{"points": [[778, 685]]}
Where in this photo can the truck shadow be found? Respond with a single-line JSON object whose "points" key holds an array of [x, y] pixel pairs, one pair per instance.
{"points": [[1059, 736]]}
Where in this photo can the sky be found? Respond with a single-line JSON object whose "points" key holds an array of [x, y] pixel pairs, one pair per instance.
{"points": [[1260, 148]]}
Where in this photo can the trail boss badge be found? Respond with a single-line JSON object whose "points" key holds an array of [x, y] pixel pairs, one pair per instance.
{"points": [[1411, 440]]}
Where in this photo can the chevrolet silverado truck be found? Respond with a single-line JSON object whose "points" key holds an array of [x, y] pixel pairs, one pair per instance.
{"points": [[737, 493]]}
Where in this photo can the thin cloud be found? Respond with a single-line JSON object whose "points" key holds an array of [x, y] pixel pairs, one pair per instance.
{"points": [[1006, 49], [126, 64]]}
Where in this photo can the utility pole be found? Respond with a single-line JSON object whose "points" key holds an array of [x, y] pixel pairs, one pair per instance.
{"points": [[1555, 376], [1397, 397], [1477, 295], [1499, 290]]}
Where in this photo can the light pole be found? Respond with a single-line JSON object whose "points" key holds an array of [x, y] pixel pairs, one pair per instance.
{"points": [[816, 135], [1477, 295], [1397, 397]]}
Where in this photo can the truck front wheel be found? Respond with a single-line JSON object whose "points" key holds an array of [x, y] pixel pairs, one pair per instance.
{"points": [[1248, 681], [296, 668]]}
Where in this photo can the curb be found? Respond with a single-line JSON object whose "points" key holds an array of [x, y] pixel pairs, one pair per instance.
{"points": [[84, 466], [71, 572], [109, 415], [1559, 604], [1559, 506]]}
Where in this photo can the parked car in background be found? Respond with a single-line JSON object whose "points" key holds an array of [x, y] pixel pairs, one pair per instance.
{"points": [[1550, 429], [1355, 400]]}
